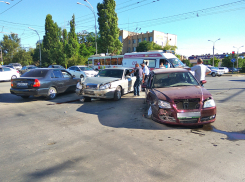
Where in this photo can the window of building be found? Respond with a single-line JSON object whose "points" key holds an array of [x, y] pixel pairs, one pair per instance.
{"points": [[145, 39], [113, 61], [150, 39], [129, 42], [108, 61], [120, 38], [129, 50], [120, 61], [139, 40], [134, 49], [134, 41]]}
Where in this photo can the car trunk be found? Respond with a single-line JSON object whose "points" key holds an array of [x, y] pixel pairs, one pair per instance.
{"points": [[25, 82]]}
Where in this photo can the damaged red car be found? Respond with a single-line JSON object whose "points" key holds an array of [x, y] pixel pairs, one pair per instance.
{"points": [[174, 96]]}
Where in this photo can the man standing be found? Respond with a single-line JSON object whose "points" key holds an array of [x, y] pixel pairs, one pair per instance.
{"points": [[200, 71], [145, 71], [138, 72]]}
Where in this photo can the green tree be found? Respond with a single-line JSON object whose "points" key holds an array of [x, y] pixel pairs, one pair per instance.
{"points": [[23, 57], [52, 47], [187, 62], [108, 28], [10, 45], [146, 46]]}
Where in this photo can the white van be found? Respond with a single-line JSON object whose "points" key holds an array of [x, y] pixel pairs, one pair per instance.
{"points": [[152, 59]]}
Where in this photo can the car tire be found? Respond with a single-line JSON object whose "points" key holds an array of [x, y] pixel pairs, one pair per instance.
{"points": [[52, 92], [118, 93], [14, 76], [87, 99], [213, 74], [25, 96]]}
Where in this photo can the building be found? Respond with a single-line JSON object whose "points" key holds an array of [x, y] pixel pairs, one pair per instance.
{"points": [[131, 40]]}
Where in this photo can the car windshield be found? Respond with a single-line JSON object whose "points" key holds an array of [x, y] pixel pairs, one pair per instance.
{"points": [[177, 79], [85, 68], [35, 73], [176, 63], [116, 73], [213, 68]]}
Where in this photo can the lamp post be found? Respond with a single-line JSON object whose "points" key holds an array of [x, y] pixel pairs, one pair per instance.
{"points": [[39, 44], [92, 9], [1, 55], [213, 48], [5, 2], [237, 55]]}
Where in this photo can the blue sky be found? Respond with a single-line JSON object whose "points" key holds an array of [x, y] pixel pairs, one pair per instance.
{"points": [[194, 22]]}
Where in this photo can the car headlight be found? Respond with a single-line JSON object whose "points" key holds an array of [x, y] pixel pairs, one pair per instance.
{"points": [[105, 86], [164, 104], [209, 103]]}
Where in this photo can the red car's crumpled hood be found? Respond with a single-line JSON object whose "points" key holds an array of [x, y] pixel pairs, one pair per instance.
{"points": [[185, 92]]}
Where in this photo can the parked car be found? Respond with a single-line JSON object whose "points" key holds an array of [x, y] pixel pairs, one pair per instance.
{"points": [[174, 96], [225, 69], [9, 66], [231, 69], [215, 71], [7, 73], [46, 82], [82, 71], [111, 83], [56, 66], [16, 66], [239, 69], [27, 68]]}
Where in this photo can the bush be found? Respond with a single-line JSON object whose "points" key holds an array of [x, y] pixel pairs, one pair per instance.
{"points": [[243, 69]]}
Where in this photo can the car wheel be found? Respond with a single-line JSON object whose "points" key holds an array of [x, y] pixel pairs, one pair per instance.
{"points": [[25, 96], [118, 93], [52, 93], [14, 76], [213, 74], [87, 99]]}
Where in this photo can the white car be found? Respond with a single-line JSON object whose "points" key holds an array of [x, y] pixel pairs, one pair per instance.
{"points": [[225, 69], [111, 83], [8, 73], [215, 71], [16, 66], [82, 71]]}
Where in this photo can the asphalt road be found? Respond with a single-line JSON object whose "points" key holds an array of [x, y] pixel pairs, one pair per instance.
{"points": [[67, 140]]}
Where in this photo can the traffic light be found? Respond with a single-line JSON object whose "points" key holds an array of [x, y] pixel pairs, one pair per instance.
{"points": [[233, 54]]}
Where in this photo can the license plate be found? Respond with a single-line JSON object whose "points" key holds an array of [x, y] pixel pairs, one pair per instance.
{"points": [[188, 115], [22, 84]]}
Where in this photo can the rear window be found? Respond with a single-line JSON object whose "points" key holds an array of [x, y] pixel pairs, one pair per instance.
{"points": [[35, 73]]}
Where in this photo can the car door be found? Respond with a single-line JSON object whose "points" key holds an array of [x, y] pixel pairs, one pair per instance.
{"points": [[2, 76], [7, 73], [69, 81], [58, 81], [130, 80]]}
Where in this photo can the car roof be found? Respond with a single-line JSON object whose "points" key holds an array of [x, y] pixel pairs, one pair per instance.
{"points": [[81, 65], [118, 68], [169, 70]]}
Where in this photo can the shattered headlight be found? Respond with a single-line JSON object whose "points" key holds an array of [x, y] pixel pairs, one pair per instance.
{"points": [[105, 86], [209, 103], [164, 104]]}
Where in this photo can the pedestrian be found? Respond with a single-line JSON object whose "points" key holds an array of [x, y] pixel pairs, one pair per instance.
{"points": [[200, 71], [145, 71], [138, 72]]}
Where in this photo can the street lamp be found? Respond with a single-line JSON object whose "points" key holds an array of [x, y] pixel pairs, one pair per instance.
{"points": [[39, 44], [1, 55], [237, 54], [213, 48], [5, 2], [92, 9]]}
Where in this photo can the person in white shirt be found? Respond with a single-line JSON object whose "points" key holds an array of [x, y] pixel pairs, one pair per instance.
{"points": [[146, 71], [200, 71]]}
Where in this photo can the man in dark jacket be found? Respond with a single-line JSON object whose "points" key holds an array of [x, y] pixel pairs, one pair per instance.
{"points": [[138, 72]]}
